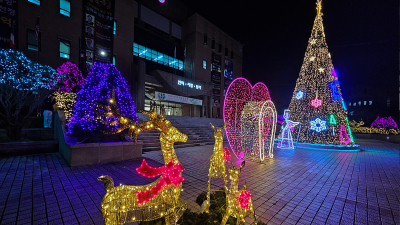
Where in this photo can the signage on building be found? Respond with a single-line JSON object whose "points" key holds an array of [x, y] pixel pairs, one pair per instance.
{"points": [[228, 74], [98, 28], [216, 75], [8, 23], [177, 98]]}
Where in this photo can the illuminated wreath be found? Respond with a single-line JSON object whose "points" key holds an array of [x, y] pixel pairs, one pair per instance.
{"points": [[251, 119]]}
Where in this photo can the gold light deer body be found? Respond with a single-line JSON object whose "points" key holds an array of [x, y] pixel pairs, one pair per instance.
{"points": [[217, 165], [233, 207], [120, 204]]}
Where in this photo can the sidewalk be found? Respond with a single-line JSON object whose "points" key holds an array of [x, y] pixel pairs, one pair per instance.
{"points": [[296, 187]]}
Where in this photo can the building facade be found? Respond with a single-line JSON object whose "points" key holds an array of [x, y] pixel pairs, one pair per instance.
{"points": [[166, 51]]}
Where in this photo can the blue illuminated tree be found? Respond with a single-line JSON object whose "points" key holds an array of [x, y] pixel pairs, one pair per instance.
{"points": [[23, 87], [98, 86]]}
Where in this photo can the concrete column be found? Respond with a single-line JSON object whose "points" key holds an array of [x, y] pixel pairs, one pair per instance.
{"points": [[141, 77]]}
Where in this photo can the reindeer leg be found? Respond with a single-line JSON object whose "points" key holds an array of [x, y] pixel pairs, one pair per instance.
{"points": [[206, 204], [226, 217], [252, 211]]}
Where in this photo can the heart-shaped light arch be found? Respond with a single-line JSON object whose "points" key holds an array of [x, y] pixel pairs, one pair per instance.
{"points": [[251, 119]]}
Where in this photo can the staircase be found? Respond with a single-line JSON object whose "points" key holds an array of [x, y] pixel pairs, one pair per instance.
{"points": [[196, 136]]}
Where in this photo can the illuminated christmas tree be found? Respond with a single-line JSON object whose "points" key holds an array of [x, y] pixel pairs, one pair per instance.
{"points": [[73, 79], [98, 86], [317, 100]]}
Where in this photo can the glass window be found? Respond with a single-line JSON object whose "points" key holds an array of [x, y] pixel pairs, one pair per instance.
{"points": [[32, 42], [226, 51], [355, 103], [349, 103], [154, 55], [115, 27], [180, 65], [388, 102], [213, 44], [160, 57], [359, 103], [135, 49], [204, 63], [65, 7], [219, 47], [231, 54], [370, 102], [37, 2], [114, 57], [65, 48], [205, 39], [365, 102]]}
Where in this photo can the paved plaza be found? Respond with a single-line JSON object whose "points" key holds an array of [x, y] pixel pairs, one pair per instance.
{"points": [[296, 187]]}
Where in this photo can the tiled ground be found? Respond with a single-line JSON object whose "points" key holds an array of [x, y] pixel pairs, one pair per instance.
{"points": [[296, 187]]}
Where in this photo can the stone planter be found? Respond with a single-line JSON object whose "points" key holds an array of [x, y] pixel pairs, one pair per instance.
{"points": [[78, 154]]}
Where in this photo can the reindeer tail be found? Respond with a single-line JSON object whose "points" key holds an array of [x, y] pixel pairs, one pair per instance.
{"points": [[108, 182]]}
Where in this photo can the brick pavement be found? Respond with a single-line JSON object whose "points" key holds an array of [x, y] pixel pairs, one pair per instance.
{"points": [[296, 187]]}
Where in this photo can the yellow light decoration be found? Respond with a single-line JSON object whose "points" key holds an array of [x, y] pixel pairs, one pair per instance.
{"points": [[356, 128], [217, 165], [318, 78], [65, 101], [120, 204], [234, 207]]}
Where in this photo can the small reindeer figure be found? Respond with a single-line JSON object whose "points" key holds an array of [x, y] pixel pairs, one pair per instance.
{"points": [[217, 165], [237, 202]]}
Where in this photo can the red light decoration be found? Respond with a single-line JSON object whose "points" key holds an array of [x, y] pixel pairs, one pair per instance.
{"points": [[172, 175], [243, 199], [316, 102], [227, 154]]}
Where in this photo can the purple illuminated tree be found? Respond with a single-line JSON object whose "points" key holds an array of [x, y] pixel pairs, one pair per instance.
{"points": [[73, 78], [97, 88]]}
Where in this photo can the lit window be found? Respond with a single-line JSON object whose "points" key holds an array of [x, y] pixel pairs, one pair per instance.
{"points": [[355, 103], [65, 48], [370, 102], [190, 85], [114, 57], [198, 87], [351, 113], [365, 102], [181, 82], [37, 2], [115, 27], [359, 103], [349, 103], [147, 53], [65, 7], [205, 39], [204, 63], [33, 44]]}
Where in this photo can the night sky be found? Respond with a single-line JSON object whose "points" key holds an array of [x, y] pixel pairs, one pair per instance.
{"points": [[362, 36]]}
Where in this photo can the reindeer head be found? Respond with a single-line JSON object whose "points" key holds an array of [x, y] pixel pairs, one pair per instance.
{"points": [[219, 132], [234, 174]]}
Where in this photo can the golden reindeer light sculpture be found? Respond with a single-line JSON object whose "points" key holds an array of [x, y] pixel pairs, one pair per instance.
{"points": [[126, 204], [217, 164], [237, 202]]}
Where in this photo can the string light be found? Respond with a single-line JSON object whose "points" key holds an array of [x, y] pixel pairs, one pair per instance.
{"points": [[344, 136], [65, 101], [356, 127], [384, 122], [127, 204], [285, 139], [238, 202], [299, 95], [21, 73], [217, 167], [101, 80], [318, 77], [74, 78], [251, 120], [318, 125]]}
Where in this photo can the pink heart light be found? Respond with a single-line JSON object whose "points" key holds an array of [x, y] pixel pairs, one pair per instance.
{"points": [[238, 94]]}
